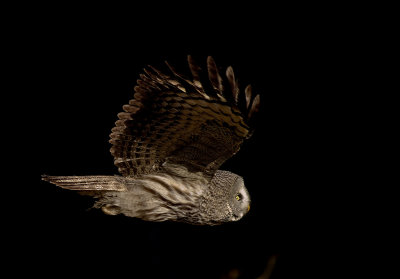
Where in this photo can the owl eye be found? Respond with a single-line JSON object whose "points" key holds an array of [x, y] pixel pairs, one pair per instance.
{"points": [[238, 197]]}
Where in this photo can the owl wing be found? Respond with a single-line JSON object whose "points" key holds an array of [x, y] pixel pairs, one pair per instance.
{"points": [[198, 122]]}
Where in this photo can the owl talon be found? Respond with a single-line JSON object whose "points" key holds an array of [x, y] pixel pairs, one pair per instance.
{"points": [[111, 209]]}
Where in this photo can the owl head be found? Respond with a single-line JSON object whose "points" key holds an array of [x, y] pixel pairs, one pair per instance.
{"points": [[227, 199], [238, 199]]}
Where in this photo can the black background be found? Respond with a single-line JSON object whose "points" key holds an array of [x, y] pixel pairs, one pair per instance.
{"points": [[83, 71]]}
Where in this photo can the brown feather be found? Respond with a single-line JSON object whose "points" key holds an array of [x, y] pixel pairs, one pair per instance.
{"points": [[87, 183], [254, 107], [232, 82], [247, 92], [195, 70], [174, 119], [215, 78]]}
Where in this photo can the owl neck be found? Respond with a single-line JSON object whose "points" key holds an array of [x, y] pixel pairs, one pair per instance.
{"points": [[215, 202]]}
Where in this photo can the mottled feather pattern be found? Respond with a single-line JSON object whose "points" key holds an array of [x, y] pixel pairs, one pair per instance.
{"points": [[83, 183], [159, 196], [167, 113]]}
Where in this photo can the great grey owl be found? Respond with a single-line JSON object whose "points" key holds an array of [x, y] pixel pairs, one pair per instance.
{"points": [[168, 144]]}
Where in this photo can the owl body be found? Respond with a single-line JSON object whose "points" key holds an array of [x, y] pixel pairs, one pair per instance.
{"points": [[168, 145], [176, 194]]}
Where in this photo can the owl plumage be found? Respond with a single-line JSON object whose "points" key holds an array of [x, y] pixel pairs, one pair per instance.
{"points": [[168, 144]]}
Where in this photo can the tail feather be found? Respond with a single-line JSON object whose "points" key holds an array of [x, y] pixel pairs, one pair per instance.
{"points": [[87, 183]]}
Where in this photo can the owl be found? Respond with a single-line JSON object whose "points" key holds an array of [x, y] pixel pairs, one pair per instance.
{"points": [[168, 145]]}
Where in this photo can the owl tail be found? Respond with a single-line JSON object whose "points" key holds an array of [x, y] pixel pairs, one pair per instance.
{"points": [[87, 183]]}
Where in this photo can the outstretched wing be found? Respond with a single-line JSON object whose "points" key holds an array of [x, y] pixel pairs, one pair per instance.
{"points": [[193, 122]]}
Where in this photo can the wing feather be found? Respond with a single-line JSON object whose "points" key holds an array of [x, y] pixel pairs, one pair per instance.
{"points": [[233, 84], [247, 92], [175, 119], [215, 78]]}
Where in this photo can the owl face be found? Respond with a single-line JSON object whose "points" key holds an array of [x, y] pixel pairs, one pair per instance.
{"points": [[239, 200]]}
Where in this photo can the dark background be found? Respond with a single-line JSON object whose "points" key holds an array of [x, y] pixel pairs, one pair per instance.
{"points": [[82, 71]]}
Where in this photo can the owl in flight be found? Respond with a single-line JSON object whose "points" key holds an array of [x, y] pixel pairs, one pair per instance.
{"points": [[168, 144]]}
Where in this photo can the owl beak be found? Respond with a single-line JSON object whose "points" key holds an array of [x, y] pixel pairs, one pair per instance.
{"points": [[248, 208]]}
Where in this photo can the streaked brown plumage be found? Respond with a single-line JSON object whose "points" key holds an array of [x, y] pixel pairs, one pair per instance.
{"points": [[168, 144]]}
